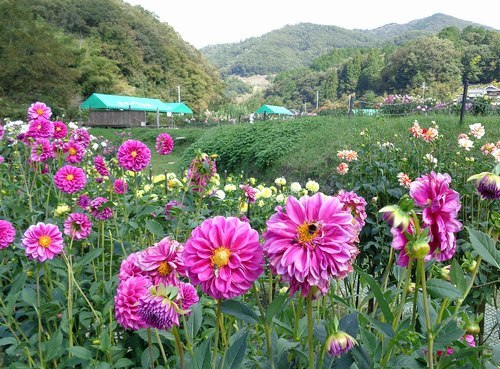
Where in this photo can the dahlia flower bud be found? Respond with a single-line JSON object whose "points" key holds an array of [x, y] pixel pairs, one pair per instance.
{"points": [[418, 249], [339, 343], [395, 216], [487, 184], [472, 329]]}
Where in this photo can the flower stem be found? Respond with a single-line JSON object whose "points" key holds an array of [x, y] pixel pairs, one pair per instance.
{"points": [[430, 338], [310, 330], [150, 345], [397, 317], [39, 316], [267, 329], [216, 343], [180, 350], [162, 350], [469, 286]]}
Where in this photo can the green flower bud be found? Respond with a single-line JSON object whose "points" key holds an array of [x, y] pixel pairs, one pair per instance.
{"points": [[417, 249]]}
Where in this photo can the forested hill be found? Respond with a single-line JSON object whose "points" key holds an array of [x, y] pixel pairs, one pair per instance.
{"points": [[61, 51], [295, 46]]}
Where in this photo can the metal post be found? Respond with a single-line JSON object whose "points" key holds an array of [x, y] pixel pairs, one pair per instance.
{"points": [[178, 93], [350, 106], [464, 100], [317, 100], [157, 117]]}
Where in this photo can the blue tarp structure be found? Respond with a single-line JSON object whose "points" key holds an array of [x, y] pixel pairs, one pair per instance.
{"points": [[273, 109], [116, 102]]}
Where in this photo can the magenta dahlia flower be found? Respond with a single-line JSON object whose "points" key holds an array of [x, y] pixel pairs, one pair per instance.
{"points": [[158, 307], [99, 210], [163, 261], [40, 128], [310, 241], [354, 204], [249, 192], [60, 130], [339, 343], [75, 152], [164, 144], [120, 186], [201, 170], [440, 209], [42, 241], [83, 201], [39, 110], [70, 179], [133, 155], [41, 150], [100, 166], [81, 136], [127, 302], [224, 256], [2, 131], [77, 226], [130, 268], [187, 295], [7, 233]]}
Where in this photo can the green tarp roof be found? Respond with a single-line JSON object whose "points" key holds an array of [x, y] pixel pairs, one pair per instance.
{"points": [[116, 102], [273, 109], [177, 108]]}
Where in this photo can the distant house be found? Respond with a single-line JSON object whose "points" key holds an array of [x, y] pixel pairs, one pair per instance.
{"points": [[490, 91]]}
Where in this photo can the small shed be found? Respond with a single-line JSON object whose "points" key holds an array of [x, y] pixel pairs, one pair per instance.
{"points": [[273, 109], [121, 111]]}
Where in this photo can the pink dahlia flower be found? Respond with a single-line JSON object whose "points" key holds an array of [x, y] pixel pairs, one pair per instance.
{"points": [[164, 144], [75, 152], [77, 226], [60, 130], [172, 204], [120, 186], [187, 295], [100, 166], [310, 241], [201, 170], [70, 179], [224, 256], [127, 299], [163, 261], [7, 234], [354, 204], [158, 307], [99, 210], [40, 127], [339, 343], [133, 155], [41, 150], [83, 201], [440, 209], [130, 268], [249, 192], [39, 110], [42, 241], [81, 136], [342, 168], [2, 131]]}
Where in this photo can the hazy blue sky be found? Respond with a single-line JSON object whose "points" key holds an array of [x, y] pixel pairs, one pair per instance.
{"points": [[205, 22]]}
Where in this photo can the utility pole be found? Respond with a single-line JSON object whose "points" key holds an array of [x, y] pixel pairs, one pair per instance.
{"points": [[178, 93], [317, 100]]}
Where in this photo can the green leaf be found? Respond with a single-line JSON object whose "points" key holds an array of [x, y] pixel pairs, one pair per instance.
{"points": [[449, 333], [80, 352], [123, 363], [457, 276], [239, 310], [384, 328], [29, 296], [194, 321], [102, 365], [147, 355], [53, 347], [439, 288], [155, 228], [275, 307], [236, 352], [485, 247], [377, 292], [202, 356], [8, 341], [362, 357], [88, 257], [405, 362]]}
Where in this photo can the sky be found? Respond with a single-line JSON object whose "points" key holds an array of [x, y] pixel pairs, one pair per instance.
{"points": [[209, 22]]}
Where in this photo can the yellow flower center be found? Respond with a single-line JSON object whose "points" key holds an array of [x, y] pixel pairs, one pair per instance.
{"points": [[39, 111], [70, 177], [164, 269], [44, 241], [72, 151], [133, 154], [220, 257], [307, 232]]}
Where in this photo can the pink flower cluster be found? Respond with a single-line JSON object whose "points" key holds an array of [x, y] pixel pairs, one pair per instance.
{"points": [[311, 240], [348, 155], [439, 205], [150, 292]]}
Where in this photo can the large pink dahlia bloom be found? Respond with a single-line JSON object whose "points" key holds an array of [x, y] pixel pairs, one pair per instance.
{"points": [[224, 256], [164, 144], [7, 233], [42, 241], [310, 241], [39, 110], [70, 179], [163, 261], [130, 268], [133, 155], [77, 226], [440, 206], [127, 302]]}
